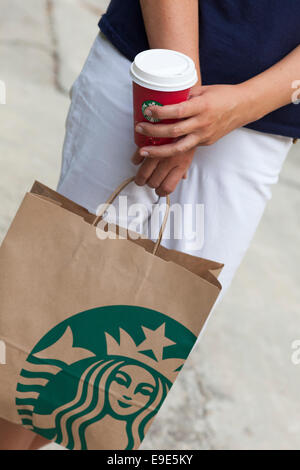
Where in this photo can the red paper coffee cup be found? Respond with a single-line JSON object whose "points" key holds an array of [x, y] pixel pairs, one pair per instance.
{"points": [[160, 77]]}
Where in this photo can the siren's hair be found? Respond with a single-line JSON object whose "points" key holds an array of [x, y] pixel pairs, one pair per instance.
{"points": [[89, 406]]}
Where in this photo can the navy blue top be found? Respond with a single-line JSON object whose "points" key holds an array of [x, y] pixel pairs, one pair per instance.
{"points": [[238, 40]]}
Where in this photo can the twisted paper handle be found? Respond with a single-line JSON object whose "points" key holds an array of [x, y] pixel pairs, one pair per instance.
{"points": [[116, 193]]}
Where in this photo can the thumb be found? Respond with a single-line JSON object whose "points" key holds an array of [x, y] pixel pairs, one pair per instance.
{"points": [[137, 158]]}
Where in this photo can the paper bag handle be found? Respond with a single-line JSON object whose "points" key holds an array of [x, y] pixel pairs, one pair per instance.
{"points": [[116, 193]]}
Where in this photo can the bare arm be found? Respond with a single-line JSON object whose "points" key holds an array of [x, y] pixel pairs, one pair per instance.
{"points": [[272, 89], [173, 24], [170, 24]]}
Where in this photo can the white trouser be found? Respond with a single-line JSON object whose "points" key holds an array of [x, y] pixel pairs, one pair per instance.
{"points": [[232, 178]]}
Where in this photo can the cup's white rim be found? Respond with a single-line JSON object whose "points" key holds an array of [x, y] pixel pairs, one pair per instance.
{"points": [[160, 87]]}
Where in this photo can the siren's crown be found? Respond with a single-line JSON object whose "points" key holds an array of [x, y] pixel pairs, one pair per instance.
{"points": [[155, 341]]}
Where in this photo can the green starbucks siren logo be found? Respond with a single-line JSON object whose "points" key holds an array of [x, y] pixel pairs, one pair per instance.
{"points": [[146, 105], [101, 373]]}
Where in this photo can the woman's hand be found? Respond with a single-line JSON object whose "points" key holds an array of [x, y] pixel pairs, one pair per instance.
{"points": [[211, 112], [162, 174]]}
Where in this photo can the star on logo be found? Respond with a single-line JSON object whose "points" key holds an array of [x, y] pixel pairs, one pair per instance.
{"points": [[155, 341]]}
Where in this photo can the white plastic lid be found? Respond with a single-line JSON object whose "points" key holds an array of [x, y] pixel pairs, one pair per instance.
{"points": [[164, 70]]}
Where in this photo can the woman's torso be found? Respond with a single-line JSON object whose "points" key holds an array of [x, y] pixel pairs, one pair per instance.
{"points": [[238, 40]]}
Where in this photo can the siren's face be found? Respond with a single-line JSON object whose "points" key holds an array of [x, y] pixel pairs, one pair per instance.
{"points": [[131, 389]]}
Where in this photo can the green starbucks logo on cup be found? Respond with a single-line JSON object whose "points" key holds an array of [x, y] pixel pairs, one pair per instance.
{"points": [[146, 105], [106, 370]]}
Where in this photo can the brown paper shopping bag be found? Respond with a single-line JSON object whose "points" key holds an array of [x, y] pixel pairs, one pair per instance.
{"points": [[95, 331]]}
